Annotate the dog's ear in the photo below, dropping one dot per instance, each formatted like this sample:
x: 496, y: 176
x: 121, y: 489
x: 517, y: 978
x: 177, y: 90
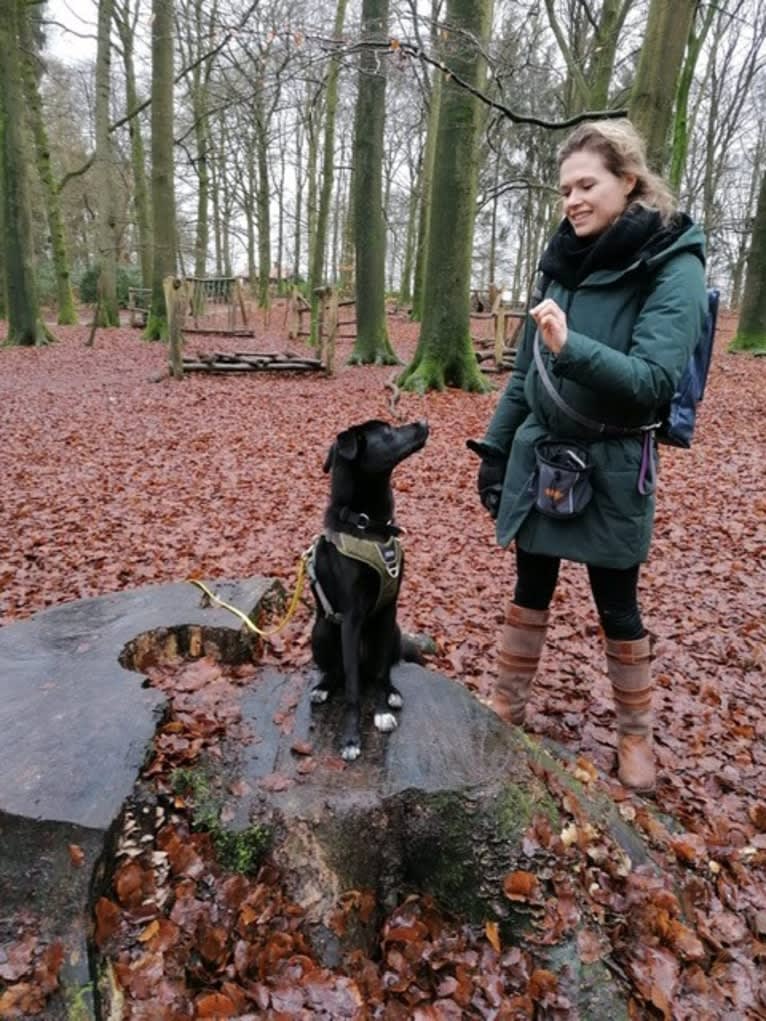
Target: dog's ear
x: 347, y: 444
x: 328, y: 460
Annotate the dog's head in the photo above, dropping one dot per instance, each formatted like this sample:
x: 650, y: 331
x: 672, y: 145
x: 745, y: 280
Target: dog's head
x: 375, y: 447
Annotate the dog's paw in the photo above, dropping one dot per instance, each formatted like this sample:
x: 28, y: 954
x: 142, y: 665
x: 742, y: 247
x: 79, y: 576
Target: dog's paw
x: 319, y: 695
x: 350, y: 751
x: 395, y: 699
x: 385, y: 722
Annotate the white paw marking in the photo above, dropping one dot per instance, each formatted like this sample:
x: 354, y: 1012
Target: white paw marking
x: 395, y: 700
x: 319, y: 695
x: 351, y: 752
x: 385, y: 722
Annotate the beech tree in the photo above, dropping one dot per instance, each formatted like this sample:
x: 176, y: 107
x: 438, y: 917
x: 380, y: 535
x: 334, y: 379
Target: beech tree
x: 751, y: 331
x: 126, y: 20
x: 444, y: 355
x: 29, y: 67
x: 659, y: 68
x: 589, y: 47
x: 163, y: 191
x: 25, y: 327
x: 316, y: 272
x: 372, y: 344
x: 107, y: 312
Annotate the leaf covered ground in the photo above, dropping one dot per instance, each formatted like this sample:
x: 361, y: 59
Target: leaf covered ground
x: 112, y: 481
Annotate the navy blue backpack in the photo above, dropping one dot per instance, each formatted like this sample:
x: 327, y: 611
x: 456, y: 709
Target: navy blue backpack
x: 678, y: 422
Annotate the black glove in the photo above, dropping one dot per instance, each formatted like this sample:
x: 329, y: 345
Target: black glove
x: 489, y: 482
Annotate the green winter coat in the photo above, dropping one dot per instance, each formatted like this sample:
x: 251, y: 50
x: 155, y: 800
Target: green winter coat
x: 630, y: 336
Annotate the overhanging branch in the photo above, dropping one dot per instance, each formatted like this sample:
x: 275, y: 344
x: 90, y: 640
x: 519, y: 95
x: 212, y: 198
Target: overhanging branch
x: 397, y: 46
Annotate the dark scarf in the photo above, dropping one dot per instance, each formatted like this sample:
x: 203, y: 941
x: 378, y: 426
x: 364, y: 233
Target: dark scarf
x: 638, y: 233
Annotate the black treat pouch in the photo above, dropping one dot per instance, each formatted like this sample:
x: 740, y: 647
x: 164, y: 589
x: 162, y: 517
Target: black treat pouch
x: 562, y: 478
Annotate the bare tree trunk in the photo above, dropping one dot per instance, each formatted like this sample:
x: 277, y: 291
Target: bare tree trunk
x: 311, y: 185
x: 491, y: 269
x: 738, y: 274
x: 405, y: 284
x: 264, y: 197
x: 604, y: 50
x: 426, y: 177
x: 372, y: 344
x: 751, y: 331
x: 316, y: 272
x: 248, y: 188
x: 281, y: 217
x: 298, y: 203
x: 445, y: 355
x: 107, y: 311
x: 25, y: 327
x: 346, y: 284
x: 216, y: 203
x: 65, y: 299
x: 163, y: 192
x: 681, y: 116
x: 659, y: 68
x: 126, y: 26
x: 340, y: 190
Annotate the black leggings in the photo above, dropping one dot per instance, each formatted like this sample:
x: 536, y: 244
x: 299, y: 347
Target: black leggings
x: 615, y: 592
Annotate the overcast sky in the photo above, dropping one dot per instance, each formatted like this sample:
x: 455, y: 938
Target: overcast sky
x: 79, y: 16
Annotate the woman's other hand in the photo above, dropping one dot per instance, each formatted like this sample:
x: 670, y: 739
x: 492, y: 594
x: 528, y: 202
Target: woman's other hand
x: 552, y: 324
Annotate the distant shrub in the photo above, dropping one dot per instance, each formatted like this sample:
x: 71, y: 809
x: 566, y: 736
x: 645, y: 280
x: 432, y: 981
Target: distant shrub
x: 127, y: 276
x: 45, y: 278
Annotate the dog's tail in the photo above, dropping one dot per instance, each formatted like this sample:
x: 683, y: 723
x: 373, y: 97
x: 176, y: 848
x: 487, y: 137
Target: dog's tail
x: 415, y: 648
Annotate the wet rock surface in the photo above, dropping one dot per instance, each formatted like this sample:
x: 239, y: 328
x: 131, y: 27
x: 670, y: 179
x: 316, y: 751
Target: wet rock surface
x: 76, y: 724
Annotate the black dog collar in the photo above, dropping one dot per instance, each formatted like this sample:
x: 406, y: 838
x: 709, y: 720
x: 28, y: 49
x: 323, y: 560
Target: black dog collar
x: 363, y: 523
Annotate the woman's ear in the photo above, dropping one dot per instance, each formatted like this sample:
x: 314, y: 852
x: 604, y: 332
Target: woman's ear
x: 629, y: 184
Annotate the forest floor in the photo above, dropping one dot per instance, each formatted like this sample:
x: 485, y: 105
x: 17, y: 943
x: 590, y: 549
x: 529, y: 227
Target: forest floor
x: 112, y: 481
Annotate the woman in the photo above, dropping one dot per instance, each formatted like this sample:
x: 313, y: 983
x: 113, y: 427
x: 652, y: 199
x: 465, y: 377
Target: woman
x: 603, y: 350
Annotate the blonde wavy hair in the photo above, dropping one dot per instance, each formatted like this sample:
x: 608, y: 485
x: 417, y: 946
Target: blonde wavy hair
x: 623, y: 151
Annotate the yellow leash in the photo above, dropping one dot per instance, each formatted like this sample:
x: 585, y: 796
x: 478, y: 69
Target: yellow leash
x: 243, y: 616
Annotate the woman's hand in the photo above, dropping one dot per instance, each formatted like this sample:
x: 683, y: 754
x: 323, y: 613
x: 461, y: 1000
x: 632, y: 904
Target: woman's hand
x: 552, y: 324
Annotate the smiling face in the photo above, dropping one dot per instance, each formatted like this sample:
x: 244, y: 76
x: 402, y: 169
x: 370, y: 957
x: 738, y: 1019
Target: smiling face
x: 592, y: 196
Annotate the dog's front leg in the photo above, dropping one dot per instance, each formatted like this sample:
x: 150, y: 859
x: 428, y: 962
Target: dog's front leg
x: 351, y: 633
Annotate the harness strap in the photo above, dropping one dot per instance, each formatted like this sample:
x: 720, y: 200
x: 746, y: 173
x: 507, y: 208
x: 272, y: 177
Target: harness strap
x: 386, y: 558
x: 320, y: 593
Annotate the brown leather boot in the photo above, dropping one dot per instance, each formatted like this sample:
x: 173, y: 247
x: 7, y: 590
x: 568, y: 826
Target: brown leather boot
x: 521, y: 644
x: 628, y: 665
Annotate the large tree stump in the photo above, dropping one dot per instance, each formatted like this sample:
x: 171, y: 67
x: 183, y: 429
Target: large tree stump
x: 438, y: 806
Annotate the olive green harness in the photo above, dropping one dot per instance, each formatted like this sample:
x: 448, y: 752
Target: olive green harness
x: 385, y: 558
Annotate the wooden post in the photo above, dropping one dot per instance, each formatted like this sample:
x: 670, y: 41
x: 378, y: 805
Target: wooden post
x: 175, y: 299
x: 331, y: 320
x: 328, y: 326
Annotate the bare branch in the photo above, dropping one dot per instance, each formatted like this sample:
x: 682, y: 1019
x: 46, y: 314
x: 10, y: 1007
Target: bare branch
x: 74, y: 173
x: 517, y: 118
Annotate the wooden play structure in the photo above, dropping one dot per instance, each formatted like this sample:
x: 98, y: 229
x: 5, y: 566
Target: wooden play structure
x: 216, y: 305
x: 330, y: 325
x: 500, y: 349
x: 212, y: 306
x: 496, y: 353
x: 139, y: 300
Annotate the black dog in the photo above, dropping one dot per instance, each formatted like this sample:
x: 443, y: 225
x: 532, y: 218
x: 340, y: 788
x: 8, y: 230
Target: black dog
x: 356, y: 572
